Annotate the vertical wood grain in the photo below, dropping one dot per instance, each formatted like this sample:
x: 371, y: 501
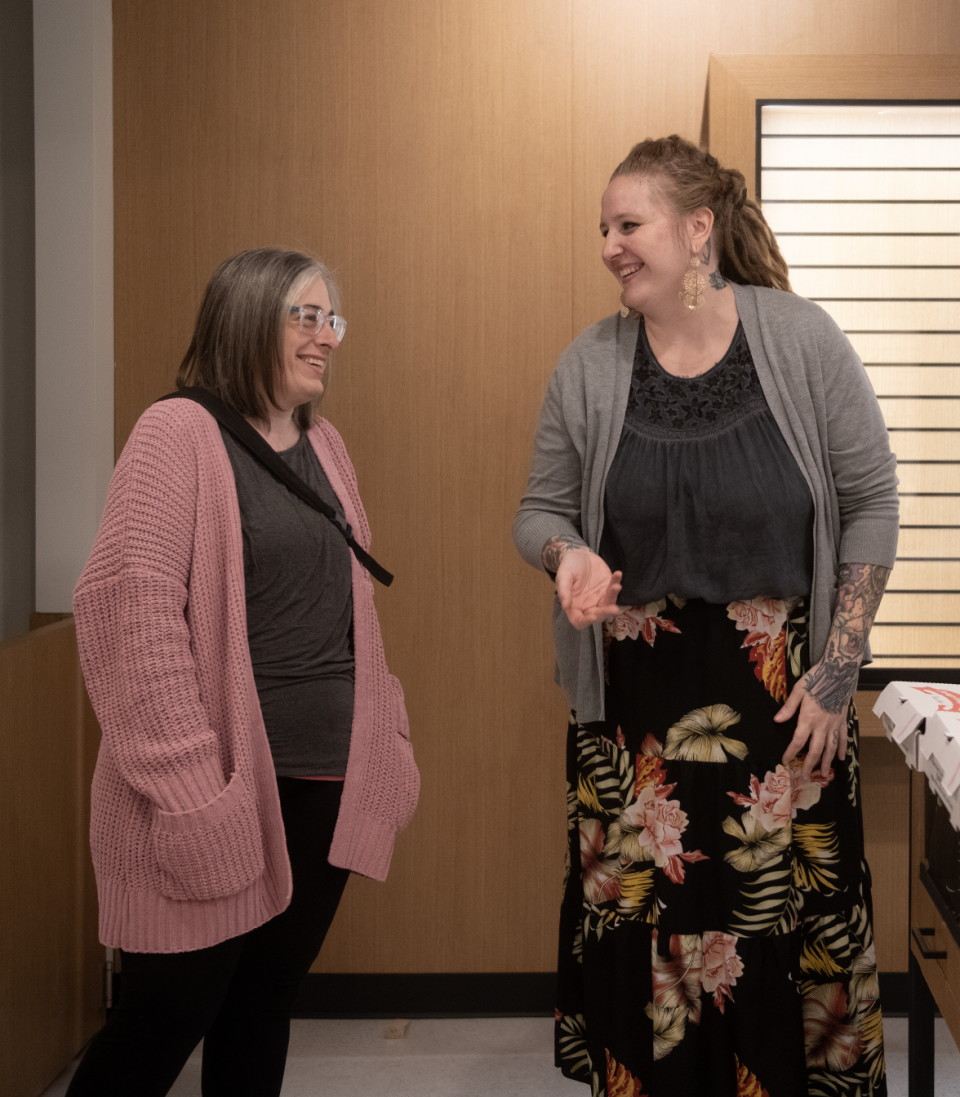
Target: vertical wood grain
x: 51, y: 981
x: 447, y: 160
x: 885, y: 785
x: 737, y: 82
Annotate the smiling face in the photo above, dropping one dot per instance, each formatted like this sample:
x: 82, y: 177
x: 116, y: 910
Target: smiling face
x: 305, y: 357
x: 646, y: 246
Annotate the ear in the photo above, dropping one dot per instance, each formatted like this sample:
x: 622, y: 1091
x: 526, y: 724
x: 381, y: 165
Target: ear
x: 699, y: 227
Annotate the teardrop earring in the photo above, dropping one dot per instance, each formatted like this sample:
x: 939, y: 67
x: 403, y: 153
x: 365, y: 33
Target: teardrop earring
x: 691, y: 295
x: 626, y: 312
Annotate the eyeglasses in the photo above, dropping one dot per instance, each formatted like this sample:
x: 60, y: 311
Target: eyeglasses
x: 312, y: 320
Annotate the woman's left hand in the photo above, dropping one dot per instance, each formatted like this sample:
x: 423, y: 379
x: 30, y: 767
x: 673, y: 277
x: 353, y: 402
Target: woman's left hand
x: 825, y: 731
x: 824, y: 693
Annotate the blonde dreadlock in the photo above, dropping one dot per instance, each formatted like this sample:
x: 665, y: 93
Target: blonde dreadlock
x: 689, y: 179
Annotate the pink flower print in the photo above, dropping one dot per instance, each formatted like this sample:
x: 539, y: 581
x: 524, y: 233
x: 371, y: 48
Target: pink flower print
x: 782, y: 794
x: 761, y: 618
x: 641, y: 620
x: 806, y: 790
x: 601, y: 878
x: 661, y: 821
x: 721, y: 966
x: 775, y: 808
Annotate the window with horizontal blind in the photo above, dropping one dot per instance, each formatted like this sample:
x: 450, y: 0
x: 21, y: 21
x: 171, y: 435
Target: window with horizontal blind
x: 865, y: 201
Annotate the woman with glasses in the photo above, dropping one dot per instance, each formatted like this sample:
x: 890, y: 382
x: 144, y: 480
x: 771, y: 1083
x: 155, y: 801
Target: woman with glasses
x: 255, y: 748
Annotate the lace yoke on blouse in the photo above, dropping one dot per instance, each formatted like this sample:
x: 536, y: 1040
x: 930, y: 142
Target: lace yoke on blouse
x: 704, y: 498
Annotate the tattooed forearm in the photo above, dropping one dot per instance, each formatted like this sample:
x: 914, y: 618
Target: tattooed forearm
x: 717, y: 280
x: 555, y: 548
x: 834, y: 680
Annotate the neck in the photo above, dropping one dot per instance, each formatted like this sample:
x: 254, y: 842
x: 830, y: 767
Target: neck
x: 672, y: 323
x: 279, y: 428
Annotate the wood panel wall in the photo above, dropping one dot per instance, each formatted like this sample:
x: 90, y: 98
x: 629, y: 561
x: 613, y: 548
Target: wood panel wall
x: 447, y: 158
x: 51, y: 967
x: 885, y: 788
x: 737, y: 82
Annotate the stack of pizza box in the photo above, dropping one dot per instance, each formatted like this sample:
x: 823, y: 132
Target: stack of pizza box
x: 923, y: 719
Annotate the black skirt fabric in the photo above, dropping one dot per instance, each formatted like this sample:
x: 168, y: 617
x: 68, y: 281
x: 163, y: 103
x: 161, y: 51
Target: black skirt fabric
x: 715, y: 934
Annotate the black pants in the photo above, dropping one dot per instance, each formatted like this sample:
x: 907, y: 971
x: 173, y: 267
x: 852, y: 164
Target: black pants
x: 236, y: 996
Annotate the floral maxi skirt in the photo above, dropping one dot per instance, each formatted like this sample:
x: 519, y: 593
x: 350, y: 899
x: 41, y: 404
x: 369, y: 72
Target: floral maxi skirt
x: 715, y: 933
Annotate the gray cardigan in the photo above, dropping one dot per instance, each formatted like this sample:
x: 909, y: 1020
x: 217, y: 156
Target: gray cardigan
x: 822, y: 400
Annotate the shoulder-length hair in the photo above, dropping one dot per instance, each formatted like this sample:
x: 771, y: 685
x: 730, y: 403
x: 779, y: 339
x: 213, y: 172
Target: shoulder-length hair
x: 237, y: 347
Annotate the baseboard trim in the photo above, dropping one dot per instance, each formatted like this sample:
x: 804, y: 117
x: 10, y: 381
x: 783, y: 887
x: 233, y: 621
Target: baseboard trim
x: 487, y: 994
x: 500, y: 994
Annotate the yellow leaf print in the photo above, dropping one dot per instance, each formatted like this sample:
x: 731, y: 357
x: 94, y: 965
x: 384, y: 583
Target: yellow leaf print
x: 636, y: 893
x: 649, y: 772
x: 816, y: 845
x: 760, y: 846
x: 587, y: 795
x: 669, y: 1025
x: 747, y: 1083
x: 871, y: 1038
x: 864, y: 984
x: 698, y: 736
x: 816, y: 960
x: 620, y: 1082
x: 771, y: 665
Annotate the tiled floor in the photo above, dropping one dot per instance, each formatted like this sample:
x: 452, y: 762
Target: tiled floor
x: 503, y: 1057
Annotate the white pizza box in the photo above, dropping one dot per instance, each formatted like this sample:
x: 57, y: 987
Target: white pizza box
x: 903, y: 707
x: 939, y: 756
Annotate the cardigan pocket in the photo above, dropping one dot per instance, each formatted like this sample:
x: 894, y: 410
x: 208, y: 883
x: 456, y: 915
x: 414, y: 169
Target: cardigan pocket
x: 407, y: 774
x: 401, y: 722
x: 214, y: 850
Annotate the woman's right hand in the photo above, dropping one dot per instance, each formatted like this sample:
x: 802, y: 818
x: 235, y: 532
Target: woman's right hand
x: 586, y: 587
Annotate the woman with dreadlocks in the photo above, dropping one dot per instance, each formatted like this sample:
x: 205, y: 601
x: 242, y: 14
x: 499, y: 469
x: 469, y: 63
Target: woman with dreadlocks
x: 713, y: 491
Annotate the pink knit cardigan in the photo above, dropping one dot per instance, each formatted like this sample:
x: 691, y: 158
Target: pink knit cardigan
x: 186, y: 833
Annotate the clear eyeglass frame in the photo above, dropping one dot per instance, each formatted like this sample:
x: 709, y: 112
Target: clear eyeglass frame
x: 312, y: 320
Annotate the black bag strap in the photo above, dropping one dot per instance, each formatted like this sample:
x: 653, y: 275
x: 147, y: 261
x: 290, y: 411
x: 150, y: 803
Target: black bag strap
x: 253, y: 441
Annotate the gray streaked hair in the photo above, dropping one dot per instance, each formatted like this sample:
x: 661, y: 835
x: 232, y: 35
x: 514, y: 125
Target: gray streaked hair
x: 237, y: 347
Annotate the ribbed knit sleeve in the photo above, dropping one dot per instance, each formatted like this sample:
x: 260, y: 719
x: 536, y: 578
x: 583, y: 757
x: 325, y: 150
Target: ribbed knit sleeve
x: 130, y: 606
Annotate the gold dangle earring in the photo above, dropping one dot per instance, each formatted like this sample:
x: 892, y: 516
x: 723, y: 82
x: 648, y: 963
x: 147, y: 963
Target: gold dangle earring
x: 691, y: 296
x: 626, y: 312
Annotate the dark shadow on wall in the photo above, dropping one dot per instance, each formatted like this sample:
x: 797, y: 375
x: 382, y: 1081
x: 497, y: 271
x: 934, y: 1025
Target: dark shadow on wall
x: 17, y: 319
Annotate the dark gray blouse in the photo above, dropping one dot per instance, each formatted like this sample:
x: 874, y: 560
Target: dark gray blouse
x: 296, y: 568
x: 703, y: 498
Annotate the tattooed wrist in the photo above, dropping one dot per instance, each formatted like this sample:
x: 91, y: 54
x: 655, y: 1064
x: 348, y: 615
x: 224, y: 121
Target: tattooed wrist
x: 554, y: 549
x: 833, y: 681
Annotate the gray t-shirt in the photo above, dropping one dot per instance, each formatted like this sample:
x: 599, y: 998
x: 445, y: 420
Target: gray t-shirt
x: 296, y: 567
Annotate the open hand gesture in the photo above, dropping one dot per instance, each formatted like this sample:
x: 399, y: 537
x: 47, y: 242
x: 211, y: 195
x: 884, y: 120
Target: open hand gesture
x: 586, y: 587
